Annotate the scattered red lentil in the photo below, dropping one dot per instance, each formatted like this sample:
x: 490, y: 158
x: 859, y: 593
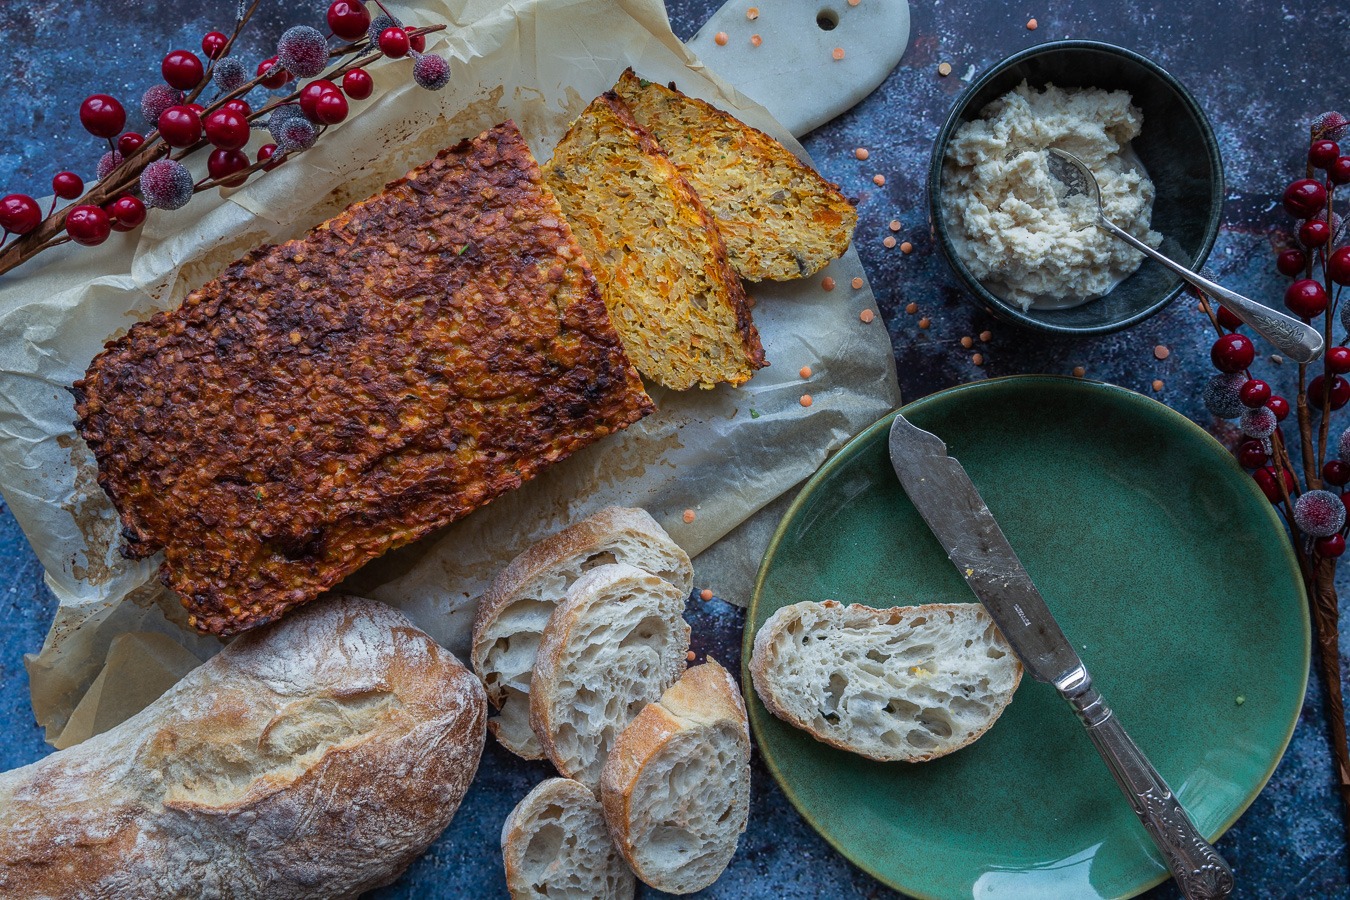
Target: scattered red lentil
x: 861, y: 153
x: 925, y: 322
x: 986, y: 336
x: 752, y: 13
x: 720, y: 39
x: 1157, y: 384
x: 838, y: 53
x: 1079, y: 371
x: 911, y: 308
x: 827, y: 283
x: 967, y: 342
x: 1161, y: 351
x: 978, y: 359
x: 878, y: 180
x: 854, y: 2
x: 867, y: 316
x: 689, y: 516
x: 1032, y: 24
x: 805, y: 372
x: 705, y: 594
x: 806, y: 400
x: 689, y: 655
x: 945, y: 69
x: 888, y: 242
x: 857, y: 284
x: 756, y: 40
x: 750, y: 301
x: 906, y: 247
x: 895, y: 225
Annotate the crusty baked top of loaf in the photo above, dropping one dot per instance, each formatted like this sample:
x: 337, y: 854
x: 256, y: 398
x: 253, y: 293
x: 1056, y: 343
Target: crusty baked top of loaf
x: 331, y: 398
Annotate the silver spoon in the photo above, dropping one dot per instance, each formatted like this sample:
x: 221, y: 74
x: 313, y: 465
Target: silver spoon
x: 1297, y: 340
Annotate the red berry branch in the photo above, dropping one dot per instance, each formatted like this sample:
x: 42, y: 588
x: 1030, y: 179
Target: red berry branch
x: 146, y: 171
x: 1317, y: 258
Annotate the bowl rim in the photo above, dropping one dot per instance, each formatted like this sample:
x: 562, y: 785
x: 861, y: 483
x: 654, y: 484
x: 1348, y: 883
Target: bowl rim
x: 982, y: 296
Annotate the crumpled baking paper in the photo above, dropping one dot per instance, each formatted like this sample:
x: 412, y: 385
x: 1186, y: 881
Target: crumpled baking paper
x: 724, y: 453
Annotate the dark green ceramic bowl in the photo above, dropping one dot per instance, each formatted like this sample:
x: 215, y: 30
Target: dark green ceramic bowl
x: 1166, y: 568
x: 1176, y: 146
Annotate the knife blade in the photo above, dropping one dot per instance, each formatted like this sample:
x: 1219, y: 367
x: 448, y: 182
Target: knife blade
x: 949, y: 503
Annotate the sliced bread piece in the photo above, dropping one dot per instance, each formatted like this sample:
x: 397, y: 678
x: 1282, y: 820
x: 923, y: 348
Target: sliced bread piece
x: 677, y: 304
x: 512, y: 614
x: 779, y: 218
x: 609, y: 649
x: 910, y: 683
x: 676, y: 786
x: 556, y: 847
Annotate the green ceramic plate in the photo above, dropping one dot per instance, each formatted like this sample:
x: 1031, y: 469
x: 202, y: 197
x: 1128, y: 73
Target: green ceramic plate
x: 1164, y: 565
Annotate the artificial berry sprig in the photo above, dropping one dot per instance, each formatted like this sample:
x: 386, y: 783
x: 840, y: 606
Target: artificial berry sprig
x: 1317, y: 260
x: 140, y: 171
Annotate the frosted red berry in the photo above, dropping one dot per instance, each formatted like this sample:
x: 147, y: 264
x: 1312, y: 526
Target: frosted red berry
x: 1304, y: 198
x: 102, y: 116
x: 1319, y: 513
x: 1335, y: 472
x: 1330, y: 125
x: 1279, y: 406
x: 310, y: 94
x: 1321, y: 154
x: 1314, y: 233
x: 229, y: 74
x: 1291, y: 263
x: 1266, y: 480
x: 278, y: 77
x: 213, y: 44
x: 1330, y: 546
x: 127, y: 213
x: 1252, y: 455
x: 221, y: 164
x: 348, y: 19
x: 358, y: 84
x: 19, y: 213
x: 1232, y: 353
x: 1227, y: 319
x: 180, y: 126
x: 303, y: 51
x: 1338, y: 265
x: 1339, y: 171
x: 330, y: 108
x: 1254, y: 393
x: 67, y: 185
x: 226, y: 129
x: 166, y: 184
x: 106, y: 163
x: 394, y: 42
x: 1339, y: 392
x: 88, y: 225
x: 1306, y: 298
x: 266, y: 152
x: 129, y: 143
x: 181, y: 69
x: 155, y: 100
x: 431, y: 72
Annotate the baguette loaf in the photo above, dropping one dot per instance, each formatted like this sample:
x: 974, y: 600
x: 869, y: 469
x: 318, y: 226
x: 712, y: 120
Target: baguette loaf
x: 780, y: 219
x: 314, y: 758
x: 512, y: 614
x: 676, y: 786
x: 678, y: 306
x: 556, y: 847
x: 611, y: 647
x: 910, y: 683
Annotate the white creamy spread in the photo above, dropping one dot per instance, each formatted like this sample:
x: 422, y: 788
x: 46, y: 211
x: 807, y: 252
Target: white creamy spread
x: 1009, y: 220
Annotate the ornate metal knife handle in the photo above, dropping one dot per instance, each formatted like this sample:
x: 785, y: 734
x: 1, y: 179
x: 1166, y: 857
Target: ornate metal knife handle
x: 1199, y: 870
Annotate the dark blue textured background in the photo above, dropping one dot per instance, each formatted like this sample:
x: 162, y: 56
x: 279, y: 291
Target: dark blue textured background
x: 1261, y: 70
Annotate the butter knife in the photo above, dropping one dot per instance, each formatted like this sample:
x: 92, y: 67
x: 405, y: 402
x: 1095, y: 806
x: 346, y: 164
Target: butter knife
x: 943, y: 494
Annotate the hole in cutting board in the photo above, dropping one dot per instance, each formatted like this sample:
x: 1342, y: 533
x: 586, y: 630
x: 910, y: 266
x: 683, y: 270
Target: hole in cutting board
x: 827, y: 19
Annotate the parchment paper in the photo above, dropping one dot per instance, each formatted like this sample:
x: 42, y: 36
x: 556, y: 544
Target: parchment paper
x: 723, y: 453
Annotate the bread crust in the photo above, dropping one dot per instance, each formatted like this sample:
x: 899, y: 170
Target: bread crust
x: 764, y: 659
x: 315, y: 758
x: 705, y: 696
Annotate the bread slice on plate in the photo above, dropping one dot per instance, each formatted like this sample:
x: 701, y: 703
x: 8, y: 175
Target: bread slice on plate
x: 677, y: 304
x: 779, y: 217
x: 556, y: 847
x: 676, y: 786
x: 609, y: 649
x: 512, y: 614
x: 909, y: 683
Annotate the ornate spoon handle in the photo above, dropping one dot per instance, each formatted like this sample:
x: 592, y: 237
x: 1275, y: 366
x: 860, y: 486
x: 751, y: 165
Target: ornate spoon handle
x: 1200, y: 871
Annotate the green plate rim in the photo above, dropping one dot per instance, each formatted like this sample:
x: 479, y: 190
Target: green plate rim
x: 1149, y: 406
